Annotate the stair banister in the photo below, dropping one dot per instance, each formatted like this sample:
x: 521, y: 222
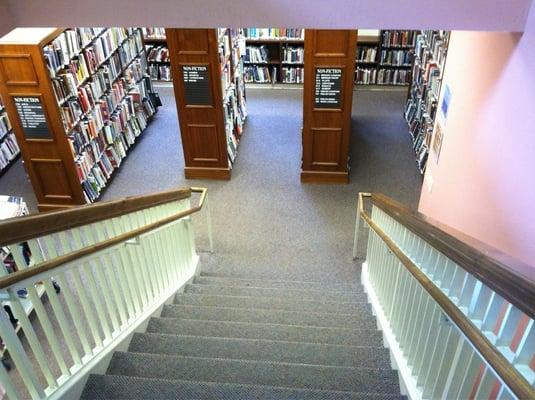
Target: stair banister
x: 421, y: 277
x: 114, y: 263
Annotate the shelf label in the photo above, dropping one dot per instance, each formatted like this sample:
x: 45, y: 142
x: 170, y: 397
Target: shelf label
x: 197, y: 89
x: 32, y: 117
x: 328, y: 92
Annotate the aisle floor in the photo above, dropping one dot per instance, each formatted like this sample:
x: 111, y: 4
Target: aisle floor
x: 266, y: 223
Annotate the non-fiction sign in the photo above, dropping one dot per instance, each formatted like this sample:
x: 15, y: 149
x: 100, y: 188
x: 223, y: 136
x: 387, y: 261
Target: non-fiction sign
x: 328, y: 93
x: 197, y: 88
x: 32, y: 117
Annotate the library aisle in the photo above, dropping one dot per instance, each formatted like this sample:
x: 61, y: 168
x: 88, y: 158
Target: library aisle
x: 264, y: 209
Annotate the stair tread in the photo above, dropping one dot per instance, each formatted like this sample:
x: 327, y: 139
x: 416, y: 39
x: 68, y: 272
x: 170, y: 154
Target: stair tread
x: 305, y: 294
x: 255, y: 372
x: 273, y: 303
x: 293, y: 333
x: 310, y: 318
x: 227, y: 280
x: 260, y: 349
x: 100, y: 387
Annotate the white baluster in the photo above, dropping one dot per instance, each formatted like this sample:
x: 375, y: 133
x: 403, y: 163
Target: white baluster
x: 487, y: 383
x: 508, y: 327
x: 446, y: 351
x: 470, y: 375
x: 526, y: 350
x: 430, y: 334
x: 22, y: 362
x: 7, y: 384
x: 462, y: 357
x: 443, y: 330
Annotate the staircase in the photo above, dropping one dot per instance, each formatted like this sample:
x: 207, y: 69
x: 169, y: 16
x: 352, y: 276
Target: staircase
x: 233, y: 338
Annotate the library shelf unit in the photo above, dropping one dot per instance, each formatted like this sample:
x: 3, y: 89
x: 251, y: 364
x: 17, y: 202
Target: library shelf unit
x: 159, y: 66
x: 78, y: 99
x: 9, y: 149
x: 274, y: 55
x: 385, y: 58
x: 428, y: 67
x: 208, y: 80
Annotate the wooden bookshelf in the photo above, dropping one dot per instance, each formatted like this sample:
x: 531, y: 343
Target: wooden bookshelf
x: 210, y: 97
x: 327, y: 102
x: 279, y: 68
x: 376, y: 71
x: 154, y: 37
x: 71, y: 147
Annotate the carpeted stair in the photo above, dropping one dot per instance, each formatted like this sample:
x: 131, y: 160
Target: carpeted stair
x: 231, y: 338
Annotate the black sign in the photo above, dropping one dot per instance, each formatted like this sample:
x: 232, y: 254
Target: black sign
x: 197, y: 89
x: 328, y: 92
x: 32, y: 117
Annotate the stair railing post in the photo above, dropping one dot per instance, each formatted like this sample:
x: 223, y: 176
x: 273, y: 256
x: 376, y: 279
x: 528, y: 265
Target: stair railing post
x: 209, y: 224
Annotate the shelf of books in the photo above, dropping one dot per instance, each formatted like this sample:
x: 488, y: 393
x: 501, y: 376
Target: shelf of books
x: 89, y: 105
x: 428, y: 67
x: 157, y: 54
x: 385, y: 59
x: 231, y: 54
x: 9, y: 149
x: 274, y: 55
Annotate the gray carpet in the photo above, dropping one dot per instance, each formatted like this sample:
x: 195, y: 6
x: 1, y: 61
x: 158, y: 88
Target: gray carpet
x: 266, y: 223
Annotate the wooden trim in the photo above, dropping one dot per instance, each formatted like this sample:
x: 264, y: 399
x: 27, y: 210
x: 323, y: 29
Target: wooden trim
x: 13, y: 278
x: 495, y: 269
x: 15, y: 230
x: 510, y: 376
x: 324, y: 177
x: 207, y: 173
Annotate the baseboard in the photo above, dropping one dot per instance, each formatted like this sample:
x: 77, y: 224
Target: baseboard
x: 98, y: 365
x: 324, y: 177
x: 407, y: 382
x: 207, y: 173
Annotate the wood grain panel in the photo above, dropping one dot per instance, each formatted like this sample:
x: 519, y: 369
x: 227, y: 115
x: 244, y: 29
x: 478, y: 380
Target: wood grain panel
x: 326, y: 131
x: 52, y: 177
x: 18, y: 69
x: 202, y: 127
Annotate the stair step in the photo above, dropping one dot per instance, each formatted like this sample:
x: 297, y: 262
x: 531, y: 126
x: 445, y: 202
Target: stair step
x: 289, y: 333
x: 363, y: 380
x: 272, y: 303
x: 105, y: 387
x: 266, y: 283
x: 282, y: 293
x: 260, y: 350
x: 354, y: 321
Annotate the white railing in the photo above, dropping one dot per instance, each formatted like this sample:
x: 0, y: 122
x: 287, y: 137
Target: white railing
x: 452, y: 337
x: 103, y: 295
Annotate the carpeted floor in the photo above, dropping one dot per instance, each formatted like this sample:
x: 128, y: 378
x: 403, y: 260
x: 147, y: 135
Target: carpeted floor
x: 266, y: 223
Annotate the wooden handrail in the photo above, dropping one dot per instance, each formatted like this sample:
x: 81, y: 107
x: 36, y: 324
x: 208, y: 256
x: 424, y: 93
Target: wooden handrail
x: 510, y: 376
x: 495, y: 269
x: 19, y: 229
x: 45, y: 266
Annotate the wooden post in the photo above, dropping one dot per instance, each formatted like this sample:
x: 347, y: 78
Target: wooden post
x: 327, y: 101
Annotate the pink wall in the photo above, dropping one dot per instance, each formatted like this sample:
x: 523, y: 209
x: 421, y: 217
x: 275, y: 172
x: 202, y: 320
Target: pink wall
x: 484, y: 183
x: 6, y: 19
x: 499, y: 15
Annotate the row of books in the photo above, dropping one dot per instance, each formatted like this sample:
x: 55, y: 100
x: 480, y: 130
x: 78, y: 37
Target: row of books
x: 422, y: 105
x: 393, y: 77
x: 154, y: 33
x: 274, y: 33
x: 257, y: 54
x: 160, y: 72
x: 366, y: 76
x: 366, y: 54
x: 396, y: 57
x: 293, y: 54
x: 157, y: 54
x: 259, y: 74
x: 9, y: 150
x: 396, y: 38
x: 292, y: 75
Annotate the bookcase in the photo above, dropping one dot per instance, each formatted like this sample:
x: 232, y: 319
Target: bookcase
x: 385, y: 59
x: 157, y: 53
x: 9, y: 149
x: 274, y: 55
x: 327, y: 102
x: 78, y: 99
x: 208, y: 80
x: 427, y: 71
